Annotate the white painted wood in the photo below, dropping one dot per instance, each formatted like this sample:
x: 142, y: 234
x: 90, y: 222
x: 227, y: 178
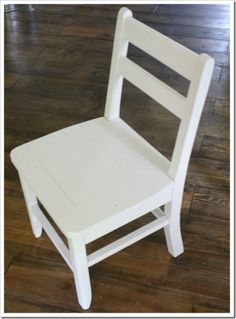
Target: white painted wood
x: 152, y: 86
x: 81, y: 271
x: 109, y: 153
x: 53, y: 235
x: 99, y: 175
x: 46, y: 189
x: 182, y: 151
x: 127, y: 240
x: 172, y: 230
x: 188, y: 127
x: 169, y: 52
x: 158, y: 212
x: 31, y: 202
x: 124, y: 217
x: 120, y: 47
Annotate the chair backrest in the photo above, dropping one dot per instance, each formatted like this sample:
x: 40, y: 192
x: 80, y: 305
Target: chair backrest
x: 196, y: 68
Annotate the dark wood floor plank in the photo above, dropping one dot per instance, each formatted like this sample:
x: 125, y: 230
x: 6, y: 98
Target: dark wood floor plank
x: 103, y: 32
x: 210, y: 206
x: 225, y: 74
x: 221, y: 108
x: 209, y: 173
x: 60, y: 281
x: 67, y: 70
x: 57, y: 87
x: 32, y: 27
x: 203, y: 45
x: 191, y: 31
x: 69, y: 41
x: 46, y: 252
x: 42, y: 40
x: 8, y: 258
x: 199, y: 44
x: 80, y: 50
x: 196, y: 282
x: 35, y: 17
x: 20, y: 304
x: 215, y: 148
x: 206, y: 304
x: 216, y: 120
x: 211, y: 202
x: 193, y: 10
x: 187, y: 20
x: 10, y: 79
x: 221, y: 58
x: 219, y: 89
x: 110, y: 9
x: 187, y: 272
x: 78, y: 108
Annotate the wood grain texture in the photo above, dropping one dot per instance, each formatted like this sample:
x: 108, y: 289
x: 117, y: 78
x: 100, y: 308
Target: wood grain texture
x: 57, y: 61
x: 10, y: 79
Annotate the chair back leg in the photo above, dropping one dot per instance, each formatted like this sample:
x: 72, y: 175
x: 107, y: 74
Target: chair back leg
x: 173, y: 230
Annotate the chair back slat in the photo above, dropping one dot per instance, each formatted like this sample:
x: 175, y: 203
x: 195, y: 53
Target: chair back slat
x: 169, y: 52
x: 154, y: 87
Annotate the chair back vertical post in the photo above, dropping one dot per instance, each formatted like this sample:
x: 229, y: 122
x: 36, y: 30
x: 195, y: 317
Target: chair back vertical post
x: 120, y: 48
x: 189, y: 124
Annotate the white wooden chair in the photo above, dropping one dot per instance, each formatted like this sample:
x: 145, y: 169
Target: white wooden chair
x: 99, y: 175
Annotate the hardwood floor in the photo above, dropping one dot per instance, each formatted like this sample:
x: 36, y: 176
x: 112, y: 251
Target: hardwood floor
x: 57, y: 60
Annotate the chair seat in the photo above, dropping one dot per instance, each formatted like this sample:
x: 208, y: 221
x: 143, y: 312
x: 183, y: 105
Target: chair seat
x: 95, y: 176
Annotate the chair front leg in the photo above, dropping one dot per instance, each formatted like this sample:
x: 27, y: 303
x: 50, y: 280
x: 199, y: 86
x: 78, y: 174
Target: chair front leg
x: 172, y: 230
x: 81, y: 271
x: 31, y: 201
